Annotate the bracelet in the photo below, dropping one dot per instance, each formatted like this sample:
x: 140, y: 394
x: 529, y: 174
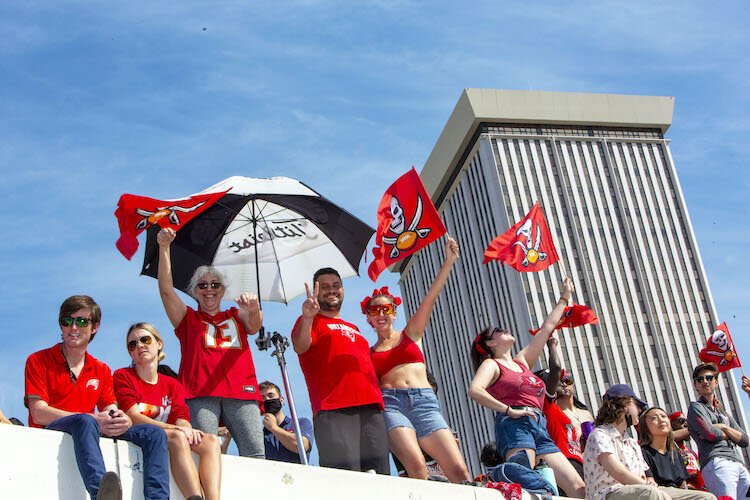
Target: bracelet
x: 507, y: 409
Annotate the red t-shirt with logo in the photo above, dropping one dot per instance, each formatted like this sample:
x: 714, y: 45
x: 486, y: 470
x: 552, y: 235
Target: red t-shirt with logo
x: 163, y: 401
x: 49, y: 379
x: 562, y: 431
x: 337, y: 366
x: 216, y: 358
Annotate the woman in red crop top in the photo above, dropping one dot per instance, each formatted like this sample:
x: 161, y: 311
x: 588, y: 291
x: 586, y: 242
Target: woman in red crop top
x: 412, y: 412
x: 148, y: 397
x: 505, y: 384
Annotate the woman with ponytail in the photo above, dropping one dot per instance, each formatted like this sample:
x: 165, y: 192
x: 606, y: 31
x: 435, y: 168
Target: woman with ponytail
x: 505, y: 384
x: 148, y: 397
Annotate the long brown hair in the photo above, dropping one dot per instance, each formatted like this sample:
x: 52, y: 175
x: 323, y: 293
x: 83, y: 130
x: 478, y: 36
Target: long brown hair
x: 479, y: 348
x: 645, y: 438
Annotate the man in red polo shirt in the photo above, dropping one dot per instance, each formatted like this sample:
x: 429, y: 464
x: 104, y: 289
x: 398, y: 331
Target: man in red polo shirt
x: 63, y: 386
x: 344, y: 391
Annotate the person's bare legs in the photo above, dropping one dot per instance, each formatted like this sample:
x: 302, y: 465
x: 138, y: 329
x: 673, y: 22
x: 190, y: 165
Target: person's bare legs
x: 565, y: 475
x: 442, y: 446
x: 403, y: 443
x: 209, y: 468
x: 181, y: 461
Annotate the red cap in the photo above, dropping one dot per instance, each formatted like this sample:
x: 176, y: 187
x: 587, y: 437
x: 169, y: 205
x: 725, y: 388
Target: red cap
x: 676, y: 415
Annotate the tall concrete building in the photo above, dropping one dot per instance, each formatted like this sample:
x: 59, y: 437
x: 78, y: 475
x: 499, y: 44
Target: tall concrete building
x: 602, y: 171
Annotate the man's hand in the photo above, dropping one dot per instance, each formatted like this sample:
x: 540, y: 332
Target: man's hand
x: 552, y: 342
x: 310, y: 306
x: 114, y: 423
x: 269, y: 422
x: 746, y: 384
x: 166, y: 236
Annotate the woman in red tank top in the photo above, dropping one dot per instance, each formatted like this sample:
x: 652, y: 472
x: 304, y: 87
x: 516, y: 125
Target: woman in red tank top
x: 505, y: 384
x: 412, y: 412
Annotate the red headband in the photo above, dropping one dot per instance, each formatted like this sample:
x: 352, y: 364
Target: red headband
x: 383, y: 292
x: 479, y: 348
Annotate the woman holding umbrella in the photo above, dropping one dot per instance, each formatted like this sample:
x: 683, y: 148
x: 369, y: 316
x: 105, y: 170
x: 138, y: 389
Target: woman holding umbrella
x: 412, y: 412
x: 217, y: 367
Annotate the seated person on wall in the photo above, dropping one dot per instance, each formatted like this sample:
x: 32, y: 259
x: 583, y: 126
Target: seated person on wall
x: 663, y: 456
x: 689, y: 457
x: 278, y: 433
x: 65, y: 383
x: 718, y: 437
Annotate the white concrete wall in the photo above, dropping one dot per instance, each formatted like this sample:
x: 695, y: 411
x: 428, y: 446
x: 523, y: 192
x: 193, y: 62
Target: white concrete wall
x: 40, y: 464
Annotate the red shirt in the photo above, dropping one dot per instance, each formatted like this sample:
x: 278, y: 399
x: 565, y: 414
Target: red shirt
x: 562, y: 431
x: 216, y: 358
x: 518, y: 389
x: 163, y: 401
x: 49, y: 379
x: 406, y: 351
x: 337, y: 366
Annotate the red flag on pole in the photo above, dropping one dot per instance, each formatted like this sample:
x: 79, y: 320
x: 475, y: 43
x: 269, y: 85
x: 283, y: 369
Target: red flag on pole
x: 527, y: 246
x: 575, y: 315
x: 137, y: 213
x: 720, y: 350
x: 407, y: 222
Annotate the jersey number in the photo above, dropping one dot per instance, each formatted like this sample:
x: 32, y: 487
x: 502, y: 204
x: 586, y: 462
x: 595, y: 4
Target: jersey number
x: 223, y: 336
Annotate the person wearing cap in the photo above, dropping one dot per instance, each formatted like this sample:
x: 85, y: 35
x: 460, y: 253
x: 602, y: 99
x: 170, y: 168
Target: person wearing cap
x: 718, y: 437
x: 613, y: 465
x: 689, y: 457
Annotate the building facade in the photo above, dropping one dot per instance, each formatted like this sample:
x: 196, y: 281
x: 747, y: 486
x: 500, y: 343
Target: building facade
x: 601, y: 169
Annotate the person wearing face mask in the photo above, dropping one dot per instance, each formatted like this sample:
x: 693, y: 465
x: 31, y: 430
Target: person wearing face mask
x: 613, y: 466
x: 278, y: 433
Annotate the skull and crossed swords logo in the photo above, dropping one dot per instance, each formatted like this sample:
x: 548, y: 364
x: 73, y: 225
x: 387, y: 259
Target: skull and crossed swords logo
x: 721, y: 347
x: 530, y: 248
x: 406, y: 237
x: 170, y: 212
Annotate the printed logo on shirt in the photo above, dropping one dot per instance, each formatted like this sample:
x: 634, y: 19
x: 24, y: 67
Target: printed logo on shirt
x: 248, y: 388
x: 345, y: 330
x: 533, y: 382
x: 159, y: 413
x: 93, y: 382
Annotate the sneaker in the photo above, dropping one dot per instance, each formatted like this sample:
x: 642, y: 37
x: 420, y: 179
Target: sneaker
x: 195, y: 497
x: 109, y: 487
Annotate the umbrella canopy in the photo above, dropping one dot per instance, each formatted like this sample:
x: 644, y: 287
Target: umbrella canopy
x: 278, y: 226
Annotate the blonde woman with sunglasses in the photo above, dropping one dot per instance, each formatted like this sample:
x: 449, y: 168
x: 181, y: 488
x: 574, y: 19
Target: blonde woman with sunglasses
x: 412, y: 412
x: 149, y: 397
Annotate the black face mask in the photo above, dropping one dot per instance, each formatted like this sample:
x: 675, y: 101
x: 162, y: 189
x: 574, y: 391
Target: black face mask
x: 272, y: 406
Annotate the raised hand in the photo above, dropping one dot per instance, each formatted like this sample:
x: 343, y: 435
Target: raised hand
x: 310, y: 306
x: 248, y: 302
x: 166, y: 236
x: 451, y: 250
x: 567, y: 289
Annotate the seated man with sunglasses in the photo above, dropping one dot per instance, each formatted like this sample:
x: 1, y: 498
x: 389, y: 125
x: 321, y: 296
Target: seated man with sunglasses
x: 63, y: 386
x: 718, y: 437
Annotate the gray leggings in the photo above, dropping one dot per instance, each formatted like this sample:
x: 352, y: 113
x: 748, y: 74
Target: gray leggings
x: 241, y: 417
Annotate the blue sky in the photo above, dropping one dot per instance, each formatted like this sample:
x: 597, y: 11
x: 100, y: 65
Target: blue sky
x: 163, y: 99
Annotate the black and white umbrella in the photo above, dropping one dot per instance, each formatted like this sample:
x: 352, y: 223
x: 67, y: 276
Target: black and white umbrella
x: 266, y: 235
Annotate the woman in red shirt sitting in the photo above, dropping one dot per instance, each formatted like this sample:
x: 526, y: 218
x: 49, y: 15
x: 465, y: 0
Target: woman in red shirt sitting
x: 412, y: 412
x: 505, y: 384
x: 149, y: 397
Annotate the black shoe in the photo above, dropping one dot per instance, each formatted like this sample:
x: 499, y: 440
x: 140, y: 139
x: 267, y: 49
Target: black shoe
x: 195, y: 497
x: 109, y: 487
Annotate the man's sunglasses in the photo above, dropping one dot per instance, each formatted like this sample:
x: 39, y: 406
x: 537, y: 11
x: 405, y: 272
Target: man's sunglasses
x: 215, y: 285
x: 376, y: 309
x: 704, y: 377
x: 79, y: 321
x: 566, y: 381
x: 145, y: 340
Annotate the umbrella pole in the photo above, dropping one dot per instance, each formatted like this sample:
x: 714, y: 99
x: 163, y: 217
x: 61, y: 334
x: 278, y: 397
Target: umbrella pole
x: 281, y: 343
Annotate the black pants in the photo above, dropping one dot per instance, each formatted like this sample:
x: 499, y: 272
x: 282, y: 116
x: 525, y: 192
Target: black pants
x: 352, y: 438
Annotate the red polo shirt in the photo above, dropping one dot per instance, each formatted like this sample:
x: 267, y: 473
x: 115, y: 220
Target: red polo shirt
x: 48, y: 379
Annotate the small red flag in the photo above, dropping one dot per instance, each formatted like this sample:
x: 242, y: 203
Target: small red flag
x: 527, y: 246
x: 720, y: 350
x: 407, y: 222
x: 137, y: 213
x: 575, y: 315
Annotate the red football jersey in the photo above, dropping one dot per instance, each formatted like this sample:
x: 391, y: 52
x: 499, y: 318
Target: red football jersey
x: 216, y: 358
x: 562, y: 431
x: 48, y: 378
x: 337, y: 366
x: 163, y: 401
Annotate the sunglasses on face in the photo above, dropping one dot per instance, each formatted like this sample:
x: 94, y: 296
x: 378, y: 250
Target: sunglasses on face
x: 566, y: 381
x: 376, y: 309
x: 708, y: 378
x: 145, y: 340
x: 79, y: 321
x: 214, y: 285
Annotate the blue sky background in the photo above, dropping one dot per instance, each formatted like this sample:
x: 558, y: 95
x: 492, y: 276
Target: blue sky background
x: 163, y: 99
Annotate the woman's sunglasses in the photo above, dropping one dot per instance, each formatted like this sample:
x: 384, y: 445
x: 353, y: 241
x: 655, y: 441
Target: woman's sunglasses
x: 376, y: 309
x: 567, y: 381
x: 80, y: 321
x: 145, y: 340
x: 215, y: 285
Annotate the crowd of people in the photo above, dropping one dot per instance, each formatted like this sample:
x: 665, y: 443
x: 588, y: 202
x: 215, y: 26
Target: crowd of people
x: 367, y: 401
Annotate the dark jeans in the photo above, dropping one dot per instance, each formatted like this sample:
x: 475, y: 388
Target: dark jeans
x: 153, y: 441
x: 352, y: 438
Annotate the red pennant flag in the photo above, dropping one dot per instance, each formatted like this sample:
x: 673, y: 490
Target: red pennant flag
x: 137, y: 213
x: 527, y: 246
x: 720, y: 350
x: 575, y: 315
x: 407, y: 222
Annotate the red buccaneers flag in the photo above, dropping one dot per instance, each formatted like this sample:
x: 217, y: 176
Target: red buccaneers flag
x: 527, y: 246
x: 136, y: 213
x: 720, y: 350
x: 575, y: 315
x: 407, y: 222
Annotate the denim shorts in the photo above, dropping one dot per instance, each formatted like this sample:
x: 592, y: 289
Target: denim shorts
x: 416, y: 409
x: 525, y: 432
